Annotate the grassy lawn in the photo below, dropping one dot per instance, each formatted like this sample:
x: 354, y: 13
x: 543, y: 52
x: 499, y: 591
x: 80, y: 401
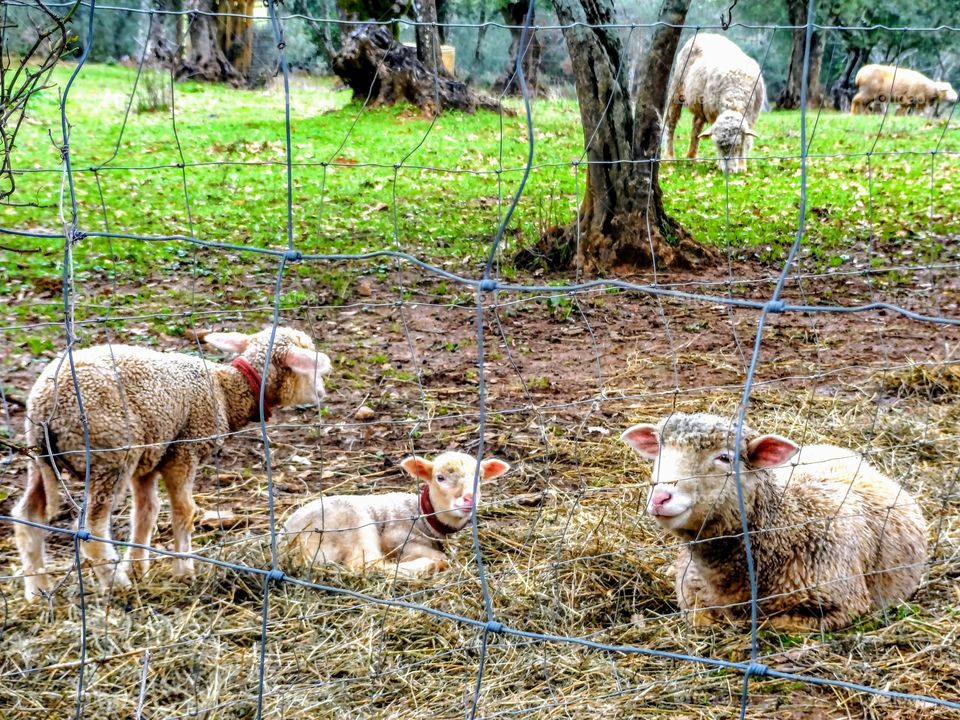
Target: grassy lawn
x: 387, y: 178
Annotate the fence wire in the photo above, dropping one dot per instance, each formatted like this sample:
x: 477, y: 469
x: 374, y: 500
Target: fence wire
x: 491, y: 296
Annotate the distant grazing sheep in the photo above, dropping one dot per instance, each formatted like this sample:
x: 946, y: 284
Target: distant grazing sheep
x: 908, y: 88
x: 151, y: 415
x: 832, y: 537
x: 719, y: 84
x: 400, y: 532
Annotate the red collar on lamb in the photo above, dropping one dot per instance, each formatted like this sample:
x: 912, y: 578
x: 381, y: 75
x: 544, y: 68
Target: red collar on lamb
x: 253, y: 379
x: 429, y: 514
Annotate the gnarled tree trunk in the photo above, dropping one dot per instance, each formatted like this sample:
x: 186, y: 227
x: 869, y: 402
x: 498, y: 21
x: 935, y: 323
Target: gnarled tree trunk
x: 789, y: 97
x: 843, y: 90
x: 373, y: 64
x: 622, y: 222
x: 514, y: 14
x: 208, y: 58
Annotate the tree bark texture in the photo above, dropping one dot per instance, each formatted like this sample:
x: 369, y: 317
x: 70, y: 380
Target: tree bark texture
x: 622, y: 224
x: 373, y: 64
x: 789, y: 97
x: 428, y: 38
x: 514, y: 14
x: 843, y: 90
x: 162, y: 34
x: 208, y: 58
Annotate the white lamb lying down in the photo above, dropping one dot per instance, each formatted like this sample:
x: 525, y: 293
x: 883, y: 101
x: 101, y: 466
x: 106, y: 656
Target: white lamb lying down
x: 831, y: 536
x: 402, y: 532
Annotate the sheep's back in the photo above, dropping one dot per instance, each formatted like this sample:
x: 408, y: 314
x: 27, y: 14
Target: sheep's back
x: 717, y: 75
x: 131, y: 396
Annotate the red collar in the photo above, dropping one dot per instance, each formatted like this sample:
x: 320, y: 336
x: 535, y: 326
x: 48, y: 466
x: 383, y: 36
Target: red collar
x: 253, y: 379
x: 429, y: 514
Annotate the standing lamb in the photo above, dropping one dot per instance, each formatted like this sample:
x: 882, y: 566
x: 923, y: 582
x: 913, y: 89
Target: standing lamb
x: 719, y: 84
x: 908, y: 88
x: 832, y: 537
x: 400, y: 532
x: 151, y: 415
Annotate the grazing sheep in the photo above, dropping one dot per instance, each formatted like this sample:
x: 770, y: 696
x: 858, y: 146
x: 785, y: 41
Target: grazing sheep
x: 908, y: 88
x: 151, y: 415
x: 400, y: 532
x: 719, y: 84
x: 832, y: 537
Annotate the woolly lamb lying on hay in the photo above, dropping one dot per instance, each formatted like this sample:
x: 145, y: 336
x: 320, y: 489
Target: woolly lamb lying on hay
x: 908, y: 88
x: 832, y: 537
x: 151, y: 415
x: 400, y: 532
x: 719, y: 84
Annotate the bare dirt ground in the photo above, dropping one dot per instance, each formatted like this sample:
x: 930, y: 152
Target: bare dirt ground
x: 568, y: 549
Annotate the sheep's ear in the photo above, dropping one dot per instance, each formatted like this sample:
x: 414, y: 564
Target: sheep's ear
x: 644, y: 439
x: 233, y: 342
x: 748, y: 131
x: 493, y: 468
x: 418, y: 467
x: 770, y: 451
x: 707, y: 133
x: 307, y: 362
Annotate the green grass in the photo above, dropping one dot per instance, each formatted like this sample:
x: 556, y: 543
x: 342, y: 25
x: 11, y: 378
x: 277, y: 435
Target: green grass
x: 392, y: 181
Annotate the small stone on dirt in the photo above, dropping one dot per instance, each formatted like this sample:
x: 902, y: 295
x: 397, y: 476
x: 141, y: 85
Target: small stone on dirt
x: 364, y: 413
x: 365, y: 287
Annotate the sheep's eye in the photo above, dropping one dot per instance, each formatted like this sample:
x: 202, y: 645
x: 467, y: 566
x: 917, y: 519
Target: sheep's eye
x: 724, y: 458
x: 441, y: 479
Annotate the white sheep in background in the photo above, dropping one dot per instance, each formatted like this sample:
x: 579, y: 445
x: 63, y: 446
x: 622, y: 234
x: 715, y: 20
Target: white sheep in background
x: 151, y: 415
x: 832, y: 538
x: 908, y: 88
x: 400, y: 532
x: 719, y: 84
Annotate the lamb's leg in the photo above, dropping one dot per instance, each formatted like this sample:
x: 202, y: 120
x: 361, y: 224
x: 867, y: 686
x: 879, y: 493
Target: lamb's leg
x: 105, y: 488
x: 146, y: 506
x: 414, y: 568
x: 698, y: 124
x: 36, y: 507
x: 178, y: 473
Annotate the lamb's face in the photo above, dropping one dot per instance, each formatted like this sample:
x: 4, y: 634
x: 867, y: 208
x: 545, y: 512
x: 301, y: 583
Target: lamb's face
x: 450, y: 478
x: 731, y: 133
x: 693, y: 471
x: 294, y: 350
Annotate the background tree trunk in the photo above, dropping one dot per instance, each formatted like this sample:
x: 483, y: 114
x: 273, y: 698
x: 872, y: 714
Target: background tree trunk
x: 843, y: 90
x: 514, y: 14
x: 622, y: 221
x: 789, y: 97
x: 371, y: 62
x: 428, y: 37
x: 207, y: 59
x: 162, y: 34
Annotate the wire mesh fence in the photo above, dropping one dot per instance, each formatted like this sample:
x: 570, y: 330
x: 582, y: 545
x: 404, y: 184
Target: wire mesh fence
x: 388, y: 237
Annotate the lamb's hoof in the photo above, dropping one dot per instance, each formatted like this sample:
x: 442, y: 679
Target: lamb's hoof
x: 439, y: 566
x: 37, y: 585
x: 184, y: 571
x: 111, y: 576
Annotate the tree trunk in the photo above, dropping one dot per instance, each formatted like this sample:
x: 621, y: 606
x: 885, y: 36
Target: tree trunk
x: 843, y: 90
x: 789, y: 97
x: 622, y: 224
x: 235, y: 33
x: 514, y: 14
x: 373, y: 64
x: 161, y: 34
x: 207, y: 59
x: 428, y: 38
